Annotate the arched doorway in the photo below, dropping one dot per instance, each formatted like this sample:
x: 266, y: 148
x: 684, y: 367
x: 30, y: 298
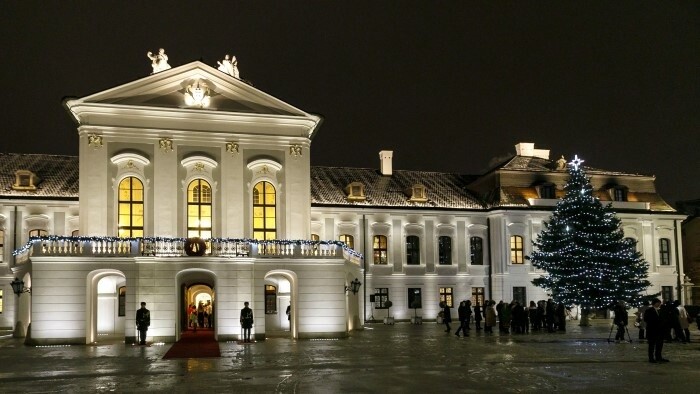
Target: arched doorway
x: 105, y: 306
x: 197, y: 295
x: 280, y: 292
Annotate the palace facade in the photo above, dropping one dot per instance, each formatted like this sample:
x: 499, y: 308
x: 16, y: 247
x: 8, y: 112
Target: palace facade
x: 193, y: 186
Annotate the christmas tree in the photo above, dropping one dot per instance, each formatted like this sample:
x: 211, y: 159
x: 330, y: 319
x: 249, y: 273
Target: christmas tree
x: 582, y: 248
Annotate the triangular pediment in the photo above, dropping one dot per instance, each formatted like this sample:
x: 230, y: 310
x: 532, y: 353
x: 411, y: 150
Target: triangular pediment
x: 166, y: 89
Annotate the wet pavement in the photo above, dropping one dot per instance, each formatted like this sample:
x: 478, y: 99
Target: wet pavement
x: 399, y: 358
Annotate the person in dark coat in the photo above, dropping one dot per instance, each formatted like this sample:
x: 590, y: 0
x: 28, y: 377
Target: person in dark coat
x: 620, y: 320
x: 477, y: 316
x: 446, y: 316
x: 246, y: 321
x: 462, y: 313
x: 655, y: 332
x: 561, y: 317
x: 549, y: 315
x: 143, y: 320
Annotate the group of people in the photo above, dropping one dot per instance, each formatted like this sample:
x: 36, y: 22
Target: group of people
x: 510, y: 317
x: 201, y: 316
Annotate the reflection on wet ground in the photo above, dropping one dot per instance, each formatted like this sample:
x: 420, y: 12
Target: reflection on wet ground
x: 399, y: 358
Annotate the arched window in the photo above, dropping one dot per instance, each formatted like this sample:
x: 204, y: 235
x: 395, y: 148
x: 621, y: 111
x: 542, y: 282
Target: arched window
x: 349, y: 240
x: 665, y: 251
x: 445, y: 250
x: 130, y: 208
x: 38, y: 233
x: 264, y: 211
x: 379, y: 248
x: 476, y: 247
x: 516, y: 249
x: 199, y: 209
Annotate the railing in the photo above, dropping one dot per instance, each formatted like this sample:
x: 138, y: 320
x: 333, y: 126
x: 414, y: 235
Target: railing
x: 178, y: 247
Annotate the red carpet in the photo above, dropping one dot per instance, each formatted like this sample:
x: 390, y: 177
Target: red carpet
x: 195, y: 345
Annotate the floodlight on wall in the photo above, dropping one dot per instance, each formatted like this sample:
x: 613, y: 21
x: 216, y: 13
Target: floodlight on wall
x: 18, y: 287
x: 354, y: 286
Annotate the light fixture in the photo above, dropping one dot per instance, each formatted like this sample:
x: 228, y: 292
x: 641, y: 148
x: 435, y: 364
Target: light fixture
x: 354, y: 286
x: 18, y: 287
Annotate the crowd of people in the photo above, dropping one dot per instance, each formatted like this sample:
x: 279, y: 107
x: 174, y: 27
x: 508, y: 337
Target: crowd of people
x: 510, y: 317
x: 201, y: 316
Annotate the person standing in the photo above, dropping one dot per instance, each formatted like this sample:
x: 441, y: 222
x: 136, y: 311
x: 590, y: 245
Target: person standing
x: 655, y: 332
x: 446, y: 316
x: 143, y: 320
x: 620, y: 320
x: 640, y: 319
x: 490, y: 319
x: 684, y: 323
x: 477, y: 316
x: 246, y: 321
x: 462, y: 313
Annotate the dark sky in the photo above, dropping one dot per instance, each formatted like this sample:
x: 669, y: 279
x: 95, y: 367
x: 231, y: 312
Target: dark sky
x: 448, y: 85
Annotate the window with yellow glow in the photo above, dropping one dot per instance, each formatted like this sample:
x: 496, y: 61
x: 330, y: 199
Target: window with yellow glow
x: 516, y: 249
x: 199, y: 212
x: 38, y: 233
x: 379, y: 249
x: 446, y: 296
x: 264, y: 211
x: 130, y: 207
x: 348, y: 240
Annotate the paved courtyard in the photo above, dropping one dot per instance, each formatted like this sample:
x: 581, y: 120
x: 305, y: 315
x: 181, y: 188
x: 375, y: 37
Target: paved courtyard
x: 400, y: 358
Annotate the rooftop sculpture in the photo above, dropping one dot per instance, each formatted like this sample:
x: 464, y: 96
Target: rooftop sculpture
x: 159, y: 61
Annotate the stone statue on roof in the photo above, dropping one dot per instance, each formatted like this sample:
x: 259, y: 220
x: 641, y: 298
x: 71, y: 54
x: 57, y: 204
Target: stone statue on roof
x: 561, y: 164
x: 230, y: 66
x: 159, y: 61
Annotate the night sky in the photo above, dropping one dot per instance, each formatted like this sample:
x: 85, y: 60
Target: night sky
x: 448, y: 86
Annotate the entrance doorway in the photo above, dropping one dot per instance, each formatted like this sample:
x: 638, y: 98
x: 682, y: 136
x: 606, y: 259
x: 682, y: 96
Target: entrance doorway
x: 199, y: 307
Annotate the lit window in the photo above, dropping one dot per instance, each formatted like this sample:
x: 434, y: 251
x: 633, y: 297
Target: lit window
x: 75, y: 233
x: 381, y: 296
x: 270, y: 299
x: 38, y: 233
x: 516, y: 249
x: 348, y: 240
x: 130, y: 208
x: 476, y: 249
x: 315, y: 237
x: 412, y: 250
x: 445, y: 250
x: 379, y: 248
x: 446, y: 296
x: 665, y: 251
x: 264, y: 211
x: 199, y: 209
x: 478, y: 296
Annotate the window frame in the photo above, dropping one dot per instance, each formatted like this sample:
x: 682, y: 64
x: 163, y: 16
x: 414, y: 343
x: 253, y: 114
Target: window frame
x: 129, y: 230
x: 379, y: 254
x: 517, y: 250
x: 38, y: 232
x: 412, y: 250
x: 473, y: 250
x: 381, y: 296
x: 268, y: 233
x: 446, y: 295
x: 667, y: 293
x: 664, y: 251
x: 444, y: 250
x: 199, y: 203
x: 520, y: 294
x: 348, y: 240
x: 413, y: 294
x: 478, y: 295
x: 270, y: 299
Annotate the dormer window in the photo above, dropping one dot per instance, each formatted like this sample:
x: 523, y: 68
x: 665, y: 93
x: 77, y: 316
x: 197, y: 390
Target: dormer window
x: 547, y: 191
x: 618, y: 193
x: 355, y: 191
x: 25, y: 180
x: 418, y: 193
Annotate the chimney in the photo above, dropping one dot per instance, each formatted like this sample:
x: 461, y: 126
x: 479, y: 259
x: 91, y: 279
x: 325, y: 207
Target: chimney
x: 528, y: 149
x: 385, y: 162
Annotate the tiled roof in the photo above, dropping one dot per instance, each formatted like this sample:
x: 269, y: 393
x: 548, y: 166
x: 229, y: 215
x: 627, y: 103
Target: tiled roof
x: 443, y: 190
x: 58, y: 175
x: 537, y: 164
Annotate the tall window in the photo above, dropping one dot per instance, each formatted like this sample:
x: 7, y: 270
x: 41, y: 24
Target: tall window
x: 264, y: 211
x: 37, y: 233
x: 667, y: 293
x: 130, y: 208
x: 446, y: 296
x: 665, y: 251
x: 2, y: 308
x: 476, y: 249
x: 270, y: 299
x: 199, y: 209
x: 349, y: 240
x: 415, y: 300
x: 412, y: 250
x: 381, y: 296
x: 519, y: 295
x: 379, y: 248
x: 547, y: 191
x: 619, y: 194
x: 478, y: 295
x: 444, y: 250
x: 516, y: 249
x: 2, y: 244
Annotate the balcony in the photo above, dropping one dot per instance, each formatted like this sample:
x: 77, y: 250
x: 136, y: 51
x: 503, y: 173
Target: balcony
x: 175, y: 247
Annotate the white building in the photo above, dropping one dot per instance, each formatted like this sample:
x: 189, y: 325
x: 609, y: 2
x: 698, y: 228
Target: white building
x: 193, y: 152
